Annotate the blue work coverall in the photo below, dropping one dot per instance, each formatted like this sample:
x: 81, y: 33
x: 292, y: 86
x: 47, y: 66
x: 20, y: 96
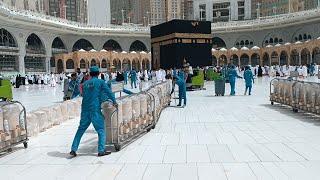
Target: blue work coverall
x: 133, y: 78
x: 182, y: 88
x: 95, y: 92
x: 248, y: 77
x: 232, y: 79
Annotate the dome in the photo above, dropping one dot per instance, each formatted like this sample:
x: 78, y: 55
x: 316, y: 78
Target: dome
x: 82, y: 50
x: 223, y: 49
x: 114, y: 51
x: 244, y: 48
x: 234, y: 49
x: 277, y: 45
x: 143, y: 52
x: 269, y: 46
x: 255, y: 48
x: 93, y: 50
x: 298, y: 42
x: 103, y: 50
x: 133, y: 52
x: 287, y: 43
x: 318, y: 38
x: 123, y: 52
x: 213, y: 50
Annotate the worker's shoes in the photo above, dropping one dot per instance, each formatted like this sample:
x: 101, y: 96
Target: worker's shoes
x: 104, y: 153
x: 73, y: 154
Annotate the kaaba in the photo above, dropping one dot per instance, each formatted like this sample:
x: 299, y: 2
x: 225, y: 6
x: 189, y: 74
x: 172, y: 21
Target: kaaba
x: 178, y: 40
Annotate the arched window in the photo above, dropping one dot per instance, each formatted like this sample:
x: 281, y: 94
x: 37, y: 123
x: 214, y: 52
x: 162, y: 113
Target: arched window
x: 82, y: 64
x: 34, y: 45
x: 6, y: 39
x: 93, y: 62
x: 82, y: 44
x: 138, y: 46
x: 69, y: 64
x: 103, y: 63
x: 300, y: 37
x: 112, y: 45
x: 305, y: 36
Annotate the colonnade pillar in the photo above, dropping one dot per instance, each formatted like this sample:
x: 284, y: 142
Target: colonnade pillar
x: 21, y: 64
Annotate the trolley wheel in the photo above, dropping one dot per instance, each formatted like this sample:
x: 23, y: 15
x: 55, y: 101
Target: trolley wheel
x: 117, y: 147
x: 25, y: 145
x: 9, y: 150
x: 295, y: 110
x: 153, y: 126
x: 272, y: 103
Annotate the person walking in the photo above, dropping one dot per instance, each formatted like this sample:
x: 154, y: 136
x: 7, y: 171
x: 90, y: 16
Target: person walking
x: 180, y: 81
x: 95, y: 92
x: 248, y: 77
x: 232, y: 79
x: 133, y: 78
x: 73, y: 86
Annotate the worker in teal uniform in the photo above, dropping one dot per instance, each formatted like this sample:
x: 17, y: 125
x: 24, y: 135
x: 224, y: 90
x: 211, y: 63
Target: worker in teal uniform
x: 232, y: 79
x: 133, y: 78
x: 180, y: 81
x: 248, y: 77
x: 125, y: 76
x: 95, y: 92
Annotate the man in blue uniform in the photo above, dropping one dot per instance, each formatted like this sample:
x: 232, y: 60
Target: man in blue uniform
x: 248, y: 77
x: 180, y: 81
x: 232, y: 79
x: 133, y: 78
x: 95, y: 92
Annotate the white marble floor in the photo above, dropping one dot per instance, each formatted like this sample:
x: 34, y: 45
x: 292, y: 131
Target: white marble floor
x: 227, y: 138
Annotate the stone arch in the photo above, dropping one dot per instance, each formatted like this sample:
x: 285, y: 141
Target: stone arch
x: 316, y: 55
x: 305, y: 56
x: 234, y: 59
x: 266, y: 59
x: 60, y: 66
x: 274, y: 58
x: 138, y: 46
x: 82, y: 44
x: 117, y: 64
x: 283, y: 58
x: 34, y: 45
x: 7, y: 39
x: 218, y: 42
x: 222, y: 60
x: 104, y: 63
x: 57, y: 43
x: 112, y: 45
x: 69, y: 64
x: 94, y: 62
x: 294, y: 58
x: 255, y: 59
x: 126, y: 65
x: 244, y: 60
x: 82, y: 64
x: 136, y: 64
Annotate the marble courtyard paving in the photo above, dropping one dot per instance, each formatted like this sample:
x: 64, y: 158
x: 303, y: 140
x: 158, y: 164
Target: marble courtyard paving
x: 220, y: 138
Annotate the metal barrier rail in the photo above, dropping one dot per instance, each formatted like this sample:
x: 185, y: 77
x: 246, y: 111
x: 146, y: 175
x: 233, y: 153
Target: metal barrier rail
x: 302, y: 95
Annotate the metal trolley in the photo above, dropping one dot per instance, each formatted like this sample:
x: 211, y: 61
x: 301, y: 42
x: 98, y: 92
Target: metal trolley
x: 8, y: 141
x: 117, y: 141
